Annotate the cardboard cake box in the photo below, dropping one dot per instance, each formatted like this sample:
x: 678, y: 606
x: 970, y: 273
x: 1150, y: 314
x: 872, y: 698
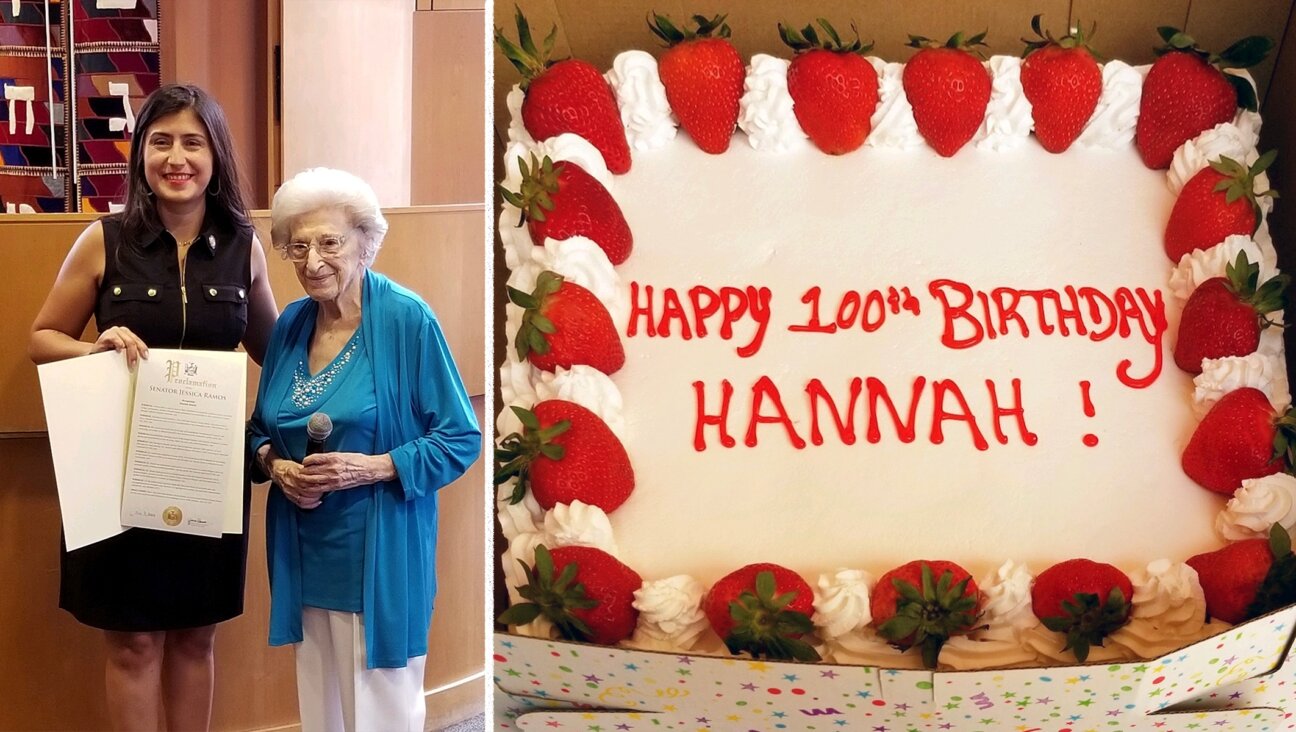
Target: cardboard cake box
x: 1242, y: 679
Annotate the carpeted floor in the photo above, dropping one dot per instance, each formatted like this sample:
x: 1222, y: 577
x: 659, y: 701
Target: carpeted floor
x: 476, y: 724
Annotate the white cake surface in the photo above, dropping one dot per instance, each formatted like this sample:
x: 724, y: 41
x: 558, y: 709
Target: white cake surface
x: 1022, y: 219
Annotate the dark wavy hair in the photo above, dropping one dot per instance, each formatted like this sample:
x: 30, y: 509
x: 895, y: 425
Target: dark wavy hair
x: 226, y: 206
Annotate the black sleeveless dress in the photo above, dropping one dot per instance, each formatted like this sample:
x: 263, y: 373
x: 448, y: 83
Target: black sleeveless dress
x: 145, y: 580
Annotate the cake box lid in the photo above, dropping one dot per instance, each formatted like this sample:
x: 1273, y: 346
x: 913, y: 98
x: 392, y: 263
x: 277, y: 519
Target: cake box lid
x: 1242, y: 680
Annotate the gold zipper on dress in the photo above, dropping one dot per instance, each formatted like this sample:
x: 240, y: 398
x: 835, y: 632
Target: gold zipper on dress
x: 184, y: 293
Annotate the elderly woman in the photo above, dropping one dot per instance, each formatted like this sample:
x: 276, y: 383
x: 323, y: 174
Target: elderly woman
x: 351, y: 523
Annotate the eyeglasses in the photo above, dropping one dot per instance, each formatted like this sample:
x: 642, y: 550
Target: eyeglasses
x: 327, y: 246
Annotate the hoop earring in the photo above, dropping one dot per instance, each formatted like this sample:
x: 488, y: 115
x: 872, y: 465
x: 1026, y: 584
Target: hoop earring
x: 216, y: 192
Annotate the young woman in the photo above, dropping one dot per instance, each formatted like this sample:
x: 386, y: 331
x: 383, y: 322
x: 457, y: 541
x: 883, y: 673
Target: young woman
x: 180, y: 267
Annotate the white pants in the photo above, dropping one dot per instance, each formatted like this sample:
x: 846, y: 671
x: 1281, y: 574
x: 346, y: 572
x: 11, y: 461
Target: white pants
x: 336, y: 693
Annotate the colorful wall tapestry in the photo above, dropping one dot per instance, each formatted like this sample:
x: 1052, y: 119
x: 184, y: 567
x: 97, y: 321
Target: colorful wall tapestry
x: 74, y: 73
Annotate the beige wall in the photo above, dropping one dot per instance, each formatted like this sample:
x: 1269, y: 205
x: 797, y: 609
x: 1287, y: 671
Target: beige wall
x: 51, y: 668
x: 449, y: 131
x: 347, y: 70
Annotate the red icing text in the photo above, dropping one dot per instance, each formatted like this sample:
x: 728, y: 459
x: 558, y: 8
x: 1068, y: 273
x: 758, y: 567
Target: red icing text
x: 972, y: 316
x: 895, y: 415
x: 664, y: 310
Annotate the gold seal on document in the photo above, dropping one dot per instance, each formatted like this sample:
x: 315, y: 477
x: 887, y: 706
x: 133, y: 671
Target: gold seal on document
x: 171, y: 516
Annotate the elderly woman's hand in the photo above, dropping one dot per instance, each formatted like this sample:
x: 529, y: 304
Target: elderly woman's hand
x: 301, y: 489
x: 335, y: 471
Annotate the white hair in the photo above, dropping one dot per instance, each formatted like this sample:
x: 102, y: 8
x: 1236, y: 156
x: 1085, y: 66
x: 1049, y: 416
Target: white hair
x: 322, y: 188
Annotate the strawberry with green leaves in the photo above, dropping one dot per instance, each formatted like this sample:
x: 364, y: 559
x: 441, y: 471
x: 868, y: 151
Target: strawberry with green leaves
x: 703, y: 76
x: 1241, y: 437
x: 585, y: 592
x: 834, y: 88
x: 924, y: 604
x: 1224, y: 315
x: 1186, y: 92
x: 1062, y: 81
x: 1247, y: 579
x: 1084, y: 600
x: 561, y: 200
x: 949, y: 89
x: 764, y: 610
x: 1217, y: 202
x: 564, y: 453
x: 564, y: 324
x: 565, y: 96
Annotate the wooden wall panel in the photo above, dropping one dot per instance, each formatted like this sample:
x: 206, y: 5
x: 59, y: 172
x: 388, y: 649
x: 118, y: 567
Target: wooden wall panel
x: 1127, y: 30
x: 222, y: 48
x: 435, y: 250
x: 448, y: 134
x: 1216, y: 24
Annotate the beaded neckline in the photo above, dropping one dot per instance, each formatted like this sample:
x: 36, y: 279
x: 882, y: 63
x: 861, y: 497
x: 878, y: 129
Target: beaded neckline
x: 307, y: 389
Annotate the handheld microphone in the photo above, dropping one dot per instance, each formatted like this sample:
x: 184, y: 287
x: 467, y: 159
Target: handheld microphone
x: 318, y: 430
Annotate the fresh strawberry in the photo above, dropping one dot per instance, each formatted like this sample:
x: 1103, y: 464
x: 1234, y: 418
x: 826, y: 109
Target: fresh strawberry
x: 1224, y: 315
x: 834, y: 89
x: 565, y: 325
x: 561, y: 200
x: 923, y: 603
x: 565, y: 453
x: 703, y: 76
x: 763, y: 609
x: 949, y: 89
x: 1248, y: 578
x: 1186, y: 93
x: 1085, y: 600
x: 1240, y: 437
x: 1218, y: 202
x: 566, y: 96
x: 585, y: 592
x: 1062, y: 82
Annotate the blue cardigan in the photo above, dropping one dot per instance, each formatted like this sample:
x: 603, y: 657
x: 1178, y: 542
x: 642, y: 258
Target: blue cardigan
x: 425, y: 423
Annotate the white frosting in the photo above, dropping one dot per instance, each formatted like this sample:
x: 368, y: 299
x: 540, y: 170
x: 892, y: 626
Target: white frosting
x: 566, y: 146
x: 1248, y: 121
x: 519, y: 518
x: 842, y: 603
x: 579, y: 524
x: 1219, y: 376
x: 588, y: 387
x: 1195, y: 155
x: 1112, y: 124
x: 641, y: 96
x: 517, y: 132
x: 1049, y: 647
x: 521, y: 549
x: 1008, y: 121
x: 1200, y: 265
x: 1169, y: 611
x: 867, y: 648
x: 893, y: 121
x: 670, y: 614
x: 1258, y: 505
x: 765, y: 111
x: 1271, y: 338
x: 1006, y: 616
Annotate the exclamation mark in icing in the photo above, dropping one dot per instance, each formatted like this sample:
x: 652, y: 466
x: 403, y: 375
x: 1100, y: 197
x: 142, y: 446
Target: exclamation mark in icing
x: 1090, y: 440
